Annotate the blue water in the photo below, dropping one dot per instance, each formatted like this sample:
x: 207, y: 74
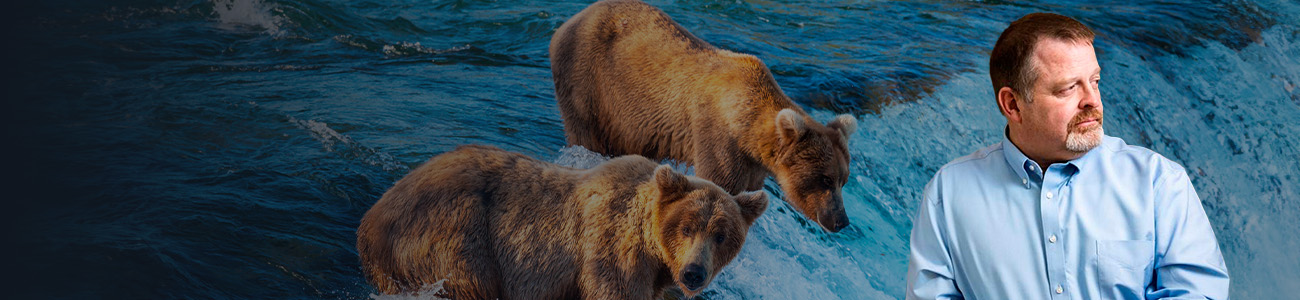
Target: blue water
x: 227, y: 149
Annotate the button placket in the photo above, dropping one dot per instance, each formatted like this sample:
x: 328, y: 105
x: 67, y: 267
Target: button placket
x: 1053, y: 180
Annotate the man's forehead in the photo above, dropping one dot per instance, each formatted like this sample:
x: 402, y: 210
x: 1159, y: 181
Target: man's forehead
x: 1056, y: 58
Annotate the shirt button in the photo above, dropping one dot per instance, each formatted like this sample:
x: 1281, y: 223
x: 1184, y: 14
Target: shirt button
x: 1052, y: 239
x: 1024, y: 181
x: 1059, y: 290
x: 1049, y: 195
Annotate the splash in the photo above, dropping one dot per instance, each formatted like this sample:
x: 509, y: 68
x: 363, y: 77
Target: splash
x: 336, y: 142
x: 579, y: 157
x: 408, y: 48
x: 427, y: 292
x: 237, y: 14
x: 322, y: 132
x: 394, y: 49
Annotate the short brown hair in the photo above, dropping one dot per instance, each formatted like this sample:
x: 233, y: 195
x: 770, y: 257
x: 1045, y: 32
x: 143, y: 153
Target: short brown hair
x: 1009, y: 64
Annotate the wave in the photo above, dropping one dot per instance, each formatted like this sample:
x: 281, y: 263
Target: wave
x: 427, y: 292
x: 336, y: 142
x: 394, y: 49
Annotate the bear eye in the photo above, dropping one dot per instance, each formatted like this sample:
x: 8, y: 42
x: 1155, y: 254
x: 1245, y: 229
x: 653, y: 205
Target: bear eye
x: 686, y: 230
x: 719, y: 238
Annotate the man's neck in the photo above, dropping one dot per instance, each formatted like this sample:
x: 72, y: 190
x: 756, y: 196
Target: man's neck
x: 1033, y: 153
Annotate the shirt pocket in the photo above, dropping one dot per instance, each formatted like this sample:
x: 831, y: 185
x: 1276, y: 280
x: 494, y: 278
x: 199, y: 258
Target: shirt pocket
x: 1124, y: 268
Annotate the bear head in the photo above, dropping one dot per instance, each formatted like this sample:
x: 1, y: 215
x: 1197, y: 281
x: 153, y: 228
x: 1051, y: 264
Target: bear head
x: 700, y: 227
x: 812, y: 164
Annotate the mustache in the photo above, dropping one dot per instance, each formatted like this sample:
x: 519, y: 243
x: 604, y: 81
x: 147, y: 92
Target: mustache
x: 1091, y: 113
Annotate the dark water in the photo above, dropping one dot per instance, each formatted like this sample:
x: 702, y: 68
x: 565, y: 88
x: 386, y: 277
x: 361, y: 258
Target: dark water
x: 227, y: 149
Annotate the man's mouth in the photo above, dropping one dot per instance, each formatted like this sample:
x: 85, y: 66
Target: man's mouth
x: 1086, y: 123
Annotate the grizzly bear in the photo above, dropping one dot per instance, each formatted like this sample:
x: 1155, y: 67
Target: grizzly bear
x: 501, y: 225
x: 630, y: 80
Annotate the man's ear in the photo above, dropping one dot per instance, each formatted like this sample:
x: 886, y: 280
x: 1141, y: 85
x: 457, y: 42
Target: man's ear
x: 671, y: 184
x: 789, y: 125
x: 845, y: 124
x: 752, y: 205
x: 1009, y: 104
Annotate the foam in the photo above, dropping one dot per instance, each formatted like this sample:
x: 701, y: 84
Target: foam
x: 579, y: 157
x: 426, y: 292
x: 336, y: 142
x: 234, y: 14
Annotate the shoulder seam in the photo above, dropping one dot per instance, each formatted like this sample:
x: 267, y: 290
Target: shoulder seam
x: 969, y: 158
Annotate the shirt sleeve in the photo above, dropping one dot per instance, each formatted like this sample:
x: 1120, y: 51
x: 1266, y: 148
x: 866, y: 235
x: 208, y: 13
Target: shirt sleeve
x: 929, y: 268
x: 1189, y: 264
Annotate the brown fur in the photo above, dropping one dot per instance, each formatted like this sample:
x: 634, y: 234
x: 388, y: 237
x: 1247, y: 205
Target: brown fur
x: 630, y: 80
x: 498, y: 224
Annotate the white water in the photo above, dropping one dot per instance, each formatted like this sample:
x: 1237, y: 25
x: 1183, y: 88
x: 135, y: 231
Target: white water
x: 236, y: 14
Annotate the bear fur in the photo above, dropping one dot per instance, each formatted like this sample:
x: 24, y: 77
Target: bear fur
x: 501, y: 225
x: 630, y: 80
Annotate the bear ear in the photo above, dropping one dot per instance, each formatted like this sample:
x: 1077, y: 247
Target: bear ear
x: 752, y: 205
x: 670, y: 182
x: 789, y: 125
x: 845, y: 124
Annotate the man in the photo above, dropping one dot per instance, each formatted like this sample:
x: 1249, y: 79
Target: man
x: 1058, y: 210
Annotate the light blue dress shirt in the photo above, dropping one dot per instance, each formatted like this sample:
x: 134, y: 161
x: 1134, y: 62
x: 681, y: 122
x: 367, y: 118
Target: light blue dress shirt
x: 1121, y: 222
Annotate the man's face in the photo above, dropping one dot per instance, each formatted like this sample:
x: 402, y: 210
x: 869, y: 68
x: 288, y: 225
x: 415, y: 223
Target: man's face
x: 1065, y: 114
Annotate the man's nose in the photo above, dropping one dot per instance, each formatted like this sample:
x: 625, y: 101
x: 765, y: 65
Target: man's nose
x: 1091, y: 97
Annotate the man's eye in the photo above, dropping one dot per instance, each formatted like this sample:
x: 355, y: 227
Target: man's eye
x: 1067, y: 89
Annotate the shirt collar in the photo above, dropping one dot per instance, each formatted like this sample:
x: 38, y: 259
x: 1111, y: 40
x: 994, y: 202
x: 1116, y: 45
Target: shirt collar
x: 1091, y: 158
x: 1025, y: 167
x: 1017, y: 160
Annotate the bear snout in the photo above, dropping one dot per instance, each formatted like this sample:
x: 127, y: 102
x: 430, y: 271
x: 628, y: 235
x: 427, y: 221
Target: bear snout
x: 834, y: 220
x: 693, y: 276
